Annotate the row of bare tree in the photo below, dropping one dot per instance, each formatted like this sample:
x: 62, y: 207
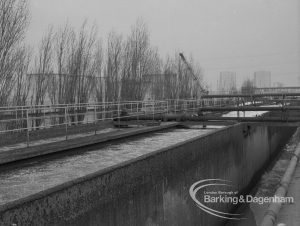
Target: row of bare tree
x: 75, y: 67
x: 14, y: 56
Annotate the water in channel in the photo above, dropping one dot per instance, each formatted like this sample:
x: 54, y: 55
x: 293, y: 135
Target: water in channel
x: 267, y: 185
x: 37, y: 176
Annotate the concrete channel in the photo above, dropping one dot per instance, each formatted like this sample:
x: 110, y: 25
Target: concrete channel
x: 150, y: 187
x: 46, y: 148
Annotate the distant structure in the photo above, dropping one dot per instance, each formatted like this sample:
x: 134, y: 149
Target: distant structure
x: 150, y: 81
x: 262, y: 79
x: 284, y: 89
x: 158, y: 86
x: 51, y: 79
x: 227, y: 82
x: 278, y: 84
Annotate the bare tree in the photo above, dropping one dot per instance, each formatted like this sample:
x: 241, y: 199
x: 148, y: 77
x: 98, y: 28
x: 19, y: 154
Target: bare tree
x: 99, y: 83
x: 62, y: 43
x: 81, y: 69
x: 43, y: 68
x: 124, y: 71
x: 14, y: 20
x: 76, y: 58
x: 99, y: 79
x: 153, y: 79
x: 22, y: 83
x: 139, y: 60
x: 44, y: 72
x: 80, y: 65
x: 248, y: 87
x: 114, y: 67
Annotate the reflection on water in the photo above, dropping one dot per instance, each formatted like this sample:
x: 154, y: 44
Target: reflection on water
x: 248, y: 113
x: 38, y: 176
x: 268, y: 185
x: 244, y: 114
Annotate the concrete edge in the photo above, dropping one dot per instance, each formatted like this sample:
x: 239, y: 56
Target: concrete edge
x: 273, y: 210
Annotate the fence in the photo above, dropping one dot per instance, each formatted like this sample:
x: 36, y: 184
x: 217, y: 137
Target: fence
x: 25, y: 119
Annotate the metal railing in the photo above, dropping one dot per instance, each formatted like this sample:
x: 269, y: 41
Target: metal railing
x: 26, y: 119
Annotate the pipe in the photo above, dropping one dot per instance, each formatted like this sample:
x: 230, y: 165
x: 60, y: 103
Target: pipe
x: 274, y: 208
x: 250, y: 108
x: 183, y: 117
x: 251, y: 95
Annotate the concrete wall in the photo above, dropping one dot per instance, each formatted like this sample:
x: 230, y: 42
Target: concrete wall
x: 154, y: 189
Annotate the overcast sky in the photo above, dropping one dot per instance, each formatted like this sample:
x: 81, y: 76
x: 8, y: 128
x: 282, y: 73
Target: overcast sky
x: 236, y: 35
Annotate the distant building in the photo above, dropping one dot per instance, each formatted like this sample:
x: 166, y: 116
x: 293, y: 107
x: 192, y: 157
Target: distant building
x: 227, y: 82
x: 278, y: 84
x: 159, y: 86
x: 52, y: 81
x: 150, y: 81
x: 262, y: 79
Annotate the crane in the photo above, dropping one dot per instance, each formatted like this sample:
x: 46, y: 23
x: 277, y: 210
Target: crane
x: 192, y: 72
x: 188, y: 66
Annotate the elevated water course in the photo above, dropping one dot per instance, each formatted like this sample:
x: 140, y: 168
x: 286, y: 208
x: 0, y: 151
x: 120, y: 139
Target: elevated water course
x: 154, y: 189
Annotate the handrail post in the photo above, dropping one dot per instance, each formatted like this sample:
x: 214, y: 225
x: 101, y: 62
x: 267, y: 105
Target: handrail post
x: 119, y: 112
x: 66, y: 122
x: 95, y: 119
x: 137, y: 111
x: 44, y: 117
x: 153, y: 104
x: 16, y: 119
x: 22, y: 115
x: 103, y: 107
x: 167, y: 106
x: 27, y: 118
